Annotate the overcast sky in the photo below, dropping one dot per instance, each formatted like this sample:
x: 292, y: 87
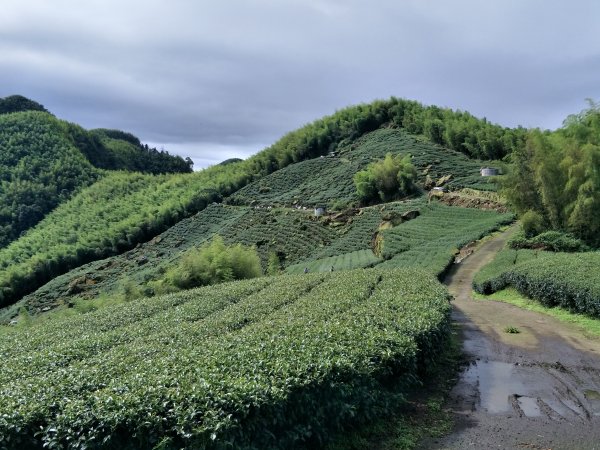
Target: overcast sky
x: 218, y: 79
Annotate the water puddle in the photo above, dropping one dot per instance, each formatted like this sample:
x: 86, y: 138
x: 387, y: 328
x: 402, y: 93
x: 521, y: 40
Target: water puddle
x: 496, y: 383
x: 529, y: 406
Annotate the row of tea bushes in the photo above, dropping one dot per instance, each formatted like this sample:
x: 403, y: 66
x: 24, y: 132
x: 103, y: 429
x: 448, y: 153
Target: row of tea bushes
x: 569, y: 280
x: 264, y: 363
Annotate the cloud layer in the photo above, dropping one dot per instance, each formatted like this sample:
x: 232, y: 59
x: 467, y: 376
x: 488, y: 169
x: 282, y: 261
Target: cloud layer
x: 212, y: 80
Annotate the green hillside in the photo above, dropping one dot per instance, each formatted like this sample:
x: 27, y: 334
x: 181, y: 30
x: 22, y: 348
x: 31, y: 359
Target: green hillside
x: 298, y: 239
x: 101, y: 228
x: 44, y: 161
x: 18, y: 103
x: 40, y: 168
x: 108, y: 217
x: 329, y: 179
x: 257, y: 364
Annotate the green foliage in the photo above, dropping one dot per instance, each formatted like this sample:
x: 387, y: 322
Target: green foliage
x: 276, y: 356
x: 24, y: 319
x: 124, y: 151
x: 214, y: 262
x: 556, y: 176
x: 532, y: 223
x: 386, y: 180
x: 477, y: 138
x: 325, y: 180
x: 90, y: 230
x: 569, y: 280
x: 511, y: 330
x: 555, y: 241
x: 39, y: 169
x: 273, y: 264
x: 109, y: 217
x: 44, y: 161
x: 347, y: 261
x: 18, y: 103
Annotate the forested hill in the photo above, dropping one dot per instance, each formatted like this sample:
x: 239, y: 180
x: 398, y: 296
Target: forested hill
x: 117, y: 213
x: 44, y: 160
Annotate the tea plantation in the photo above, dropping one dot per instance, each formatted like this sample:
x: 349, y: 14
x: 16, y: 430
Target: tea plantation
x: 569, y: 280
x: 431, y: 240
x: 264, y: 363
x: 327, y: 179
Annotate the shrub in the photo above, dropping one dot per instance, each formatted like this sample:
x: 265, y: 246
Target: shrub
x: 386, y: 180
x: 569, y: 280
x: 556, y: 241
x: 252, y: 364
x: 214, y: 262
x: 532, y: 223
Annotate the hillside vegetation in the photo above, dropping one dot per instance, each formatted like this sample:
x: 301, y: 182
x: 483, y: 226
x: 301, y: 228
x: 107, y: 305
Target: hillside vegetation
x: 554, y: 183
x: 280, y: 357
x: 102, y: 221
x: 329, y: 180
x: 296, y: 238
x: 39, y: 169
x: 109, y: 217
x: 44, y: 161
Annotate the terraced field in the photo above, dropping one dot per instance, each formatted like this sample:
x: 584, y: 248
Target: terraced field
x: 299, y: 239
x: 263, y: 363
x: 431, y: 240
x: 328, y: 179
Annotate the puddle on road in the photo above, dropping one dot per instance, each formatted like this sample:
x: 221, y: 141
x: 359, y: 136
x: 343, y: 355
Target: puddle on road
x: 496, y: 383
x: 529, y: 406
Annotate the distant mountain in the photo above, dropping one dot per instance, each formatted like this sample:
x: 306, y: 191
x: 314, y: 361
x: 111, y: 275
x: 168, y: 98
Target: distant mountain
x: 44, y: 160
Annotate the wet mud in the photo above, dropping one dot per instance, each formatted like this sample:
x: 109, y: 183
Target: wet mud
x: 538, y: 389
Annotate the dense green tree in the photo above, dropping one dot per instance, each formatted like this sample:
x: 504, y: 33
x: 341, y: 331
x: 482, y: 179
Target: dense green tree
x: 18, y: 103
x: 554, y: 181
x: 389, y: 179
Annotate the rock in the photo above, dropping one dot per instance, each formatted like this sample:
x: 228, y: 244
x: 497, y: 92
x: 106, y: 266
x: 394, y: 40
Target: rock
x: 429, y: 183
x: 142, y: 260
x: 46, y: 308
x: 443, y: 180
x: 410, y: 215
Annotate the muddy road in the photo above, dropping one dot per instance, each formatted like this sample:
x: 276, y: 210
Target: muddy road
x: 539, y: 389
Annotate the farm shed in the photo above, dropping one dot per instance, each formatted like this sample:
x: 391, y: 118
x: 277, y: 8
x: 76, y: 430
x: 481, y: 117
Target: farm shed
x: 320, y: 210
x: 489, y: 171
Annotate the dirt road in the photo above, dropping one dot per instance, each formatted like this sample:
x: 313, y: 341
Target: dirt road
x: 539, y: 389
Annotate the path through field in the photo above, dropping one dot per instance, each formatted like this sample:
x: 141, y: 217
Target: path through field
x: 539, y: 389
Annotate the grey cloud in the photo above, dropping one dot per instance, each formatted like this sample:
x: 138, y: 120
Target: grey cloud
x: 215, y: 80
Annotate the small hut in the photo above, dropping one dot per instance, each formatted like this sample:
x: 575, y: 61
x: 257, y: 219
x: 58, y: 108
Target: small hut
x: 320, y: 211
x: 489, y: 171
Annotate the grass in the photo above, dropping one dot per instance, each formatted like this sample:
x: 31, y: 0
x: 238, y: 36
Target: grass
x: 512, y: 296
x: 511, y: 330
x: 424, y: 418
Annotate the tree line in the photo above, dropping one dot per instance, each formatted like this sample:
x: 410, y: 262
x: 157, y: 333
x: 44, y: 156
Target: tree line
x: 554, y: 181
